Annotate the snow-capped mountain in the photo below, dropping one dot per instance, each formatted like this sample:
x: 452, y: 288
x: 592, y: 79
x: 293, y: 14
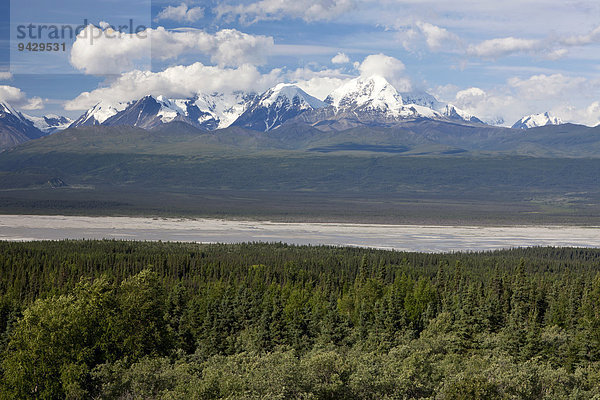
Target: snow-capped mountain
x: 360, y: 101
x: 223, y: 109
x: 424, y: 99
x: 50, y: 123
x: 204, y: 111
x: 15, y: 128
x: 99, y: 113
x: 537, y: 120
x: 151, y: 111
x: 452, y: 112
x: 366, y: 101
x: 375, y: 97
x: 448, y: 110
x: 277, y: 105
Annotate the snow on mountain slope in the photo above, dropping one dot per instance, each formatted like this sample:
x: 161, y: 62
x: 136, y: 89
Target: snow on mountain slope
x: 374, y: 94
x: 422, y: 99
x: 455, y: 113
x: 374, y: 101
x: 50, y: 123
x: 373, y: 97
x: 223, y: 109
x: 448, y: 110
x: 15, y: 128
x: 277, y: 105
x: 285, y: 93
x: 363, y: 100
x: 537, y: 120
x: 204, y: 111
x: 151, y: 111
x: 99, y: 113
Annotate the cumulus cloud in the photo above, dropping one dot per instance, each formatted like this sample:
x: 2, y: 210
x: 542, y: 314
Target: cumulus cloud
x: 340, y: 58
x: 188, y: 81
x: 17, y: 98
x: 181, y: 13
x: 99, y: 51
x: 308, y: 10
x: 177, y: 82
x: 588, y: 115
x: 317, y: 83
x: 435, y: 37
x: 389, y: 67
x: 470, y: 97
x: 5, y: 75
x: 421, y: 34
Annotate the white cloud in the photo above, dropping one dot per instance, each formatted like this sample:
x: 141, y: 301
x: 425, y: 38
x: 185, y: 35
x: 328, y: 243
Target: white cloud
x: 589, y: 115
x: 389, y: 67
x: 177, y: 82
x: 5, y: 75
x: 471, y: 96
x: 553, y: 47
x: 181, y: 13
x: 495, y: 48
x: 494, y: 107
x: 340, y: 58
x: 17, y: 98
x: 419, y: 35
x: 308, y: 10
x: 188, y: 81
x: 317, y: 83
x: 435, y: 37
x: 579, y: 40
x: 33, y: 103
x: 102, y: 51
x: 541, y: 87
x: 571, y: 98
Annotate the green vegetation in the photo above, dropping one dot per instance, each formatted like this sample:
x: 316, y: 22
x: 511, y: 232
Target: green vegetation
x: 128, y: 320
x: 297, y: 173
x: 305, y: 186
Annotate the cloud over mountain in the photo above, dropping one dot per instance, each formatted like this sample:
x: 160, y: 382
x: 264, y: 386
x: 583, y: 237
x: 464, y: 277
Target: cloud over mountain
x: 99, y: 51
x: 18, y: 98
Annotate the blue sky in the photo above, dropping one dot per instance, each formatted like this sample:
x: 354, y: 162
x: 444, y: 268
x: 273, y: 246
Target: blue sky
x: 497, y: 60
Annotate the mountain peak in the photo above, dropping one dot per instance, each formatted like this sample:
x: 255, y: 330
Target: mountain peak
x: 537, y: 120
x: 6, y: 108
x: 453, y: 112
x: 15, y: 127
x: 99, y: 113
x: 290, y: 93
x: 277, y: 105
x: 372, y: 93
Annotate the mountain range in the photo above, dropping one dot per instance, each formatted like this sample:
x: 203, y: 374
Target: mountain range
x: 361, y: 102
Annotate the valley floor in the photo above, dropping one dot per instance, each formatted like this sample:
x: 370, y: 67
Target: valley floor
x: 307, y: 206
x: 424, y: 238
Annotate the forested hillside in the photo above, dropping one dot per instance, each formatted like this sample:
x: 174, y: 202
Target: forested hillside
x: 125, y: 320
